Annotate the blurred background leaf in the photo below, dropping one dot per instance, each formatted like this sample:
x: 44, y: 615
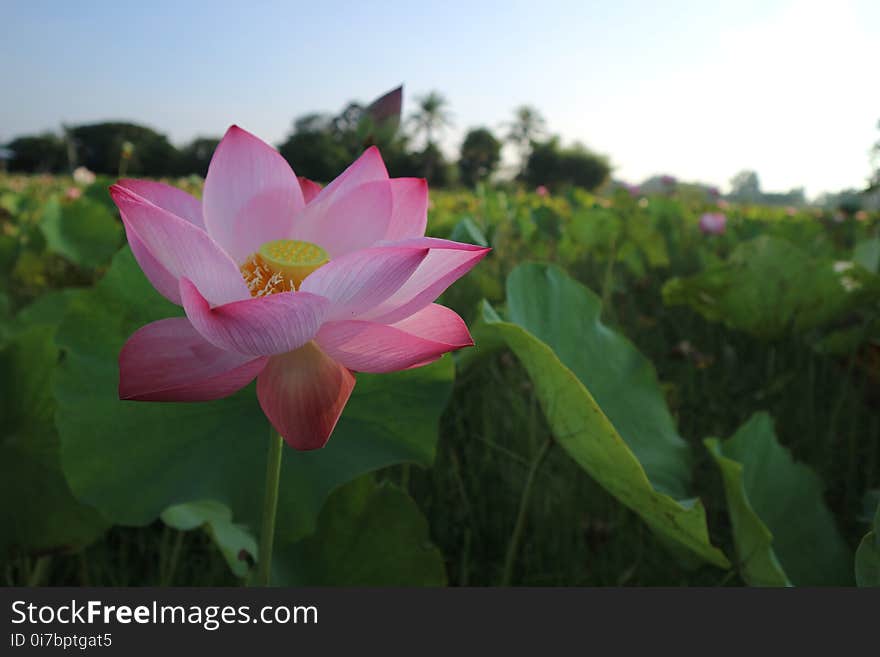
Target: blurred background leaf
x: 868, y: 555
x: 39, y: 514
x: 85, y: 232
x: 782, y: 528
x: 367, y: 534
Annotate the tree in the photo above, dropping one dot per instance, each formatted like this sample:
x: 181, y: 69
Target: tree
x: 431, y: 164
x: 745, y: 187
x: 874, y: 182
x: 196, y: 156
x: 480, y: 155
x: 315, y: 154
x: 552, y: 165
x: 100, y: 146
x: 527, y: 127
x: 321, y: 146
x: 45, y: 153
x: 431, y: 117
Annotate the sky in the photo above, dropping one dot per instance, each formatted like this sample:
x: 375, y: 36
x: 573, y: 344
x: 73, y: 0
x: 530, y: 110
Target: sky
x: 698, y: 90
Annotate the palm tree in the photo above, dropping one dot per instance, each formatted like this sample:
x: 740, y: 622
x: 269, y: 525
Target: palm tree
x: 432, y: 116
x: 527, y: 126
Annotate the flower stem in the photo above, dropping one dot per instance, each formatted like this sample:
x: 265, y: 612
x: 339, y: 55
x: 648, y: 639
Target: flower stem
x: 270, y: 506
x: 516, y: 537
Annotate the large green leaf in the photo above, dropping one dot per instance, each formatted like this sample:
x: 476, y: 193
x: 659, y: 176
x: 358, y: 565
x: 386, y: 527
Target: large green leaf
x: 867, y: 254
x: 565, y: 315
x: 469, y: 232
x: 782, y: 529
x: 85, y: 232
x: 38, y: 513
x: 367, y: 535
x: 132, y: 460
x: 868, y: 555
x: 602, y: 401
x: 233, y: 540
x: 769, y: 286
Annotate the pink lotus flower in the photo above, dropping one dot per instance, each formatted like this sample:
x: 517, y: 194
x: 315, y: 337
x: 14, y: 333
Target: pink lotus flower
x: 713, y: 223
x: 286, y: 282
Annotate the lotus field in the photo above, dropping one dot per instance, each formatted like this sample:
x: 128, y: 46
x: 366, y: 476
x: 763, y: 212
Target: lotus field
x: 663, y: 389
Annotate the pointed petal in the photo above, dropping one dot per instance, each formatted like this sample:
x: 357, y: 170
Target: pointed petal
x: 446, y: 262
x: 303, y: 393
x: 410, y: 214
x: 169, y: 361
x: 419, y: 339
x: 176, y: 201
x: 259, y: 326
x: 159, y: 277
x: 180, y: 248
x: 368, y: 167
x: 358, y: 281
x: 309, y: 188
x: 251, y: 194
x: 348, y: 221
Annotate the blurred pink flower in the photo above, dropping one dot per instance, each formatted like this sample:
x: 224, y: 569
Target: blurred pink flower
x: 72, y: 193
x: 861, y: 215
x: 713, y: 223
x: 83, y: 176
x: 289, y: 283
x: 541, y: 190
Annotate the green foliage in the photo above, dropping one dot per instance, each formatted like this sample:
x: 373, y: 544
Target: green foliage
x: 480, y: 155
x: 39, y: 514
x: 235, y: 542
x: 468, y: 232
x: 85, y: 232
x: 782, y: 528
x: 317, y: 155
x: 553, y: 166
x: 195, y: 157
x: 867, y: 254
x: 555, y: 372
x: 769, y: 286
x: 101, y: 147
x: 431, y: 117
x: 601, y: 400
x: 367, y: 535
x: 868, y: 555
x: 44, y: 153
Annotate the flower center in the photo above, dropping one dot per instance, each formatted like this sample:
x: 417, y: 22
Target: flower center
x: 281, y: 266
